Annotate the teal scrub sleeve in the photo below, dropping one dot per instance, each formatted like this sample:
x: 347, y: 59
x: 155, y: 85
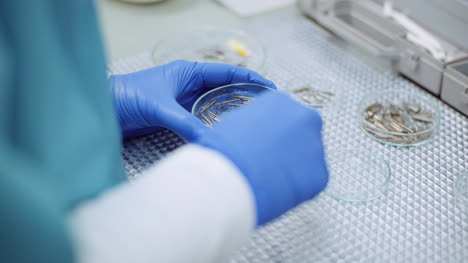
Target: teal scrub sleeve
x: 59, y: 137
x: 31, y: 224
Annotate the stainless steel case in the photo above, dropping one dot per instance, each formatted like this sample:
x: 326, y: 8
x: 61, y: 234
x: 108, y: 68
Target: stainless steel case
x: 367, y: 24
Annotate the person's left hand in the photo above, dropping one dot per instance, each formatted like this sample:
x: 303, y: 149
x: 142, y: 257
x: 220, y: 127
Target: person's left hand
x: 161, y: 97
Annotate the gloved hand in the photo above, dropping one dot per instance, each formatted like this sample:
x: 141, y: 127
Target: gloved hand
x: 276, y: 143
x: 162, y: 96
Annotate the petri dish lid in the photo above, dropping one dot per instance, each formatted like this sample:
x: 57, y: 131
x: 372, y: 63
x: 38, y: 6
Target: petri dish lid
x: 461, y: 191
x: 211, y: 44
x: 356, y: 175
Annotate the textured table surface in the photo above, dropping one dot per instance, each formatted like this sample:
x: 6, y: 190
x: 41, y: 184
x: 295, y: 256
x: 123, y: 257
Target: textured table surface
x: 417, y: 220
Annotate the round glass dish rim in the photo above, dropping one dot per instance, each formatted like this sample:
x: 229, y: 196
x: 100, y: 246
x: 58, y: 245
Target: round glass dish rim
x: 225, y: 86
x: 330, y: 104
x: 389, y: 170
x: 456, y: 187
x: 157, y: 46
x: 433, y: 127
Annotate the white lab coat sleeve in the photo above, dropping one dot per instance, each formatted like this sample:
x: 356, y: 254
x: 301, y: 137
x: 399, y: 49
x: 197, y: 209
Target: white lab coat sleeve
x: 194, y: 206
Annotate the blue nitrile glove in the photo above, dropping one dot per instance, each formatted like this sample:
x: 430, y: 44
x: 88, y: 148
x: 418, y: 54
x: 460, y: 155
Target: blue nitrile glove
x: 276, y: 143
x: 162, y: 96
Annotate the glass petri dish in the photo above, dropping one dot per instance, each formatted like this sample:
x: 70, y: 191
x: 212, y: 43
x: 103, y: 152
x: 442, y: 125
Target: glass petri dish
x: 211, y: 106
x: 461, y: 191
x: 398, y: 118
x: 356, y: 175
x: 212, y: 44
x: 318, y: 93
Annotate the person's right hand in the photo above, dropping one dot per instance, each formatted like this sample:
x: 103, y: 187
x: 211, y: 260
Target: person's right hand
x: 276, y: 143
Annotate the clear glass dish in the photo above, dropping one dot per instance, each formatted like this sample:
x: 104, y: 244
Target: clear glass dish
x: 398, y: 118
x: 318, y: 93
x: 212, y: 44
x: 461, y: 191
x: 211, y: 106
x: 356, y: 175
